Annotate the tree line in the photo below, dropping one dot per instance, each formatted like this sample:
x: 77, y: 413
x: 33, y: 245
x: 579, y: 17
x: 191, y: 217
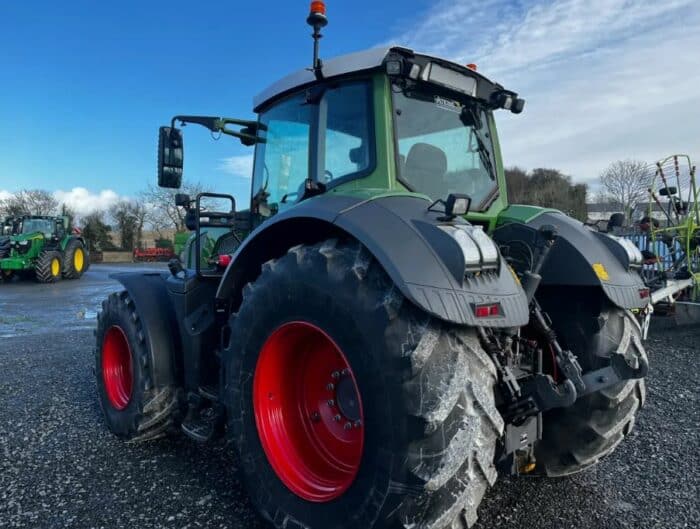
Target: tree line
x: 121, y: 226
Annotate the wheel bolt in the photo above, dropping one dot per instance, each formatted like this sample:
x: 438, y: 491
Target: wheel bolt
x: 345, y: 372
x: 331, y: 402
x: 335, y: 375
x: 315, y: 416
x: 337, y: 418
x: 347, y: 426
x: 330, y: 387
x: 358, y: 423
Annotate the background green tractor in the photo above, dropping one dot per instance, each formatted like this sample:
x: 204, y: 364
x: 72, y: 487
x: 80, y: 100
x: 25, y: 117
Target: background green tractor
x: 390, y: 334
x: 42, y: 246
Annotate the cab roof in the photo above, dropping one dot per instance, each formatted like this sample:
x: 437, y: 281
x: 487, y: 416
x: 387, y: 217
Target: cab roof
x: 343, y: 65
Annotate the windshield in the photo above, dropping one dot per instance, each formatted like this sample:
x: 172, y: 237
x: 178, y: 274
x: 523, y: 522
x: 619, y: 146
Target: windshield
x: 444, y: 147
x: 42, y: 225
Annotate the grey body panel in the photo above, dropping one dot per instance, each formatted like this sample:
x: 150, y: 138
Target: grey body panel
x: 576, y: 251
x: 336, y: 67
x: 424, y: 263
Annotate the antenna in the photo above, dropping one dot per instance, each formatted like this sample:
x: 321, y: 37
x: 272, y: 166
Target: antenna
x: 317, y: 20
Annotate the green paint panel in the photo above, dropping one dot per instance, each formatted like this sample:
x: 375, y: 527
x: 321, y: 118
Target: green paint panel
x: 522, y: 213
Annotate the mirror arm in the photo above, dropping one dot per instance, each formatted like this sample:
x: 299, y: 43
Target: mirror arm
x: 247, y: 135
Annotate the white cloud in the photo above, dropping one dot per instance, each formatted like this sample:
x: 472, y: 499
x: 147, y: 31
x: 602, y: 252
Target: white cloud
x: 603, y: 79
x: 241, y: 166
x: 84, y: 202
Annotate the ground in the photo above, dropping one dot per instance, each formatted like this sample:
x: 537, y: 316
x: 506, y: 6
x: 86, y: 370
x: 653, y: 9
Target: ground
x: 59, y: 467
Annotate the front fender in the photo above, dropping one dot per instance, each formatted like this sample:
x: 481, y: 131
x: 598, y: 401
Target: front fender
x: 580, y: 258
x: 403, y: 236
x: 155, y: 309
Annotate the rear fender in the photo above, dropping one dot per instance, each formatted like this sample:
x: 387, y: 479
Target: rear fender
x: 155, y: 309
x: 424, y: 263
x: 580, y: 257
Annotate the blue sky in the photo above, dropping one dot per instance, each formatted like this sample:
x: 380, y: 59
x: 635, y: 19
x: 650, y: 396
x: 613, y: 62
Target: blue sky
x: 85, y: 85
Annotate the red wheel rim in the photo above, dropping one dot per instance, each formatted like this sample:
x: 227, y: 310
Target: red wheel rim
x: 308, y: 412
x: 117, y: 372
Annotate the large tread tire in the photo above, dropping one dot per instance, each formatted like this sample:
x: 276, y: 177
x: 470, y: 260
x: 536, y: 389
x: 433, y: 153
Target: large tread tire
x: 4, y: 247
x: 70, y: 270
x: 578, y: 437
x: 152, y: 412
x: 45, y: 270
x: 430, y: 414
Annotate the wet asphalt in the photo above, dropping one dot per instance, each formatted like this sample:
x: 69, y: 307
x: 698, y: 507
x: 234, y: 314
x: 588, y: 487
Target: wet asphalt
x: 59, y: 467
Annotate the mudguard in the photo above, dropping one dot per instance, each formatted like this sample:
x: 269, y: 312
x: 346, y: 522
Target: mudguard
x: 155, y: 309
x: 581, y: 257
x: 424, y: 262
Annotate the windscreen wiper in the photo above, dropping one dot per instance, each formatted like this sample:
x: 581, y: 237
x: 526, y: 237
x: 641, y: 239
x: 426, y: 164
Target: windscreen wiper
x: 471, y: 119
x: 484, y: 155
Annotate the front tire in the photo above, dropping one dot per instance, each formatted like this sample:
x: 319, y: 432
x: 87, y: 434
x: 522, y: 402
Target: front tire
x: 134, y: 409
x: 74, y: 259
x: 578, y: 437
x: 427, y: 419
x: 48, y: 266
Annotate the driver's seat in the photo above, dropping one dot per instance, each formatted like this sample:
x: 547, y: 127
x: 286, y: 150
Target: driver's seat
x: 425, y: 166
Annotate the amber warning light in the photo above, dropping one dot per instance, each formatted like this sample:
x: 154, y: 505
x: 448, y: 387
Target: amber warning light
x: 318, y: 8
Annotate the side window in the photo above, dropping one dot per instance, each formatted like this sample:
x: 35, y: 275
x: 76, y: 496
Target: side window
x: 282, y: 162
x: 348, y: 142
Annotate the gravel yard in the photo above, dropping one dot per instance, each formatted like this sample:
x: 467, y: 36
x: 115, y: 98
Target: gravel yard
x: 59, y: 467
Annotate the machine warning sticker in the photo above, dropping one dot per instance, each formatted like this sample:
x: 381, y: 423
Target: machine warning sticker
x: 601, y: 272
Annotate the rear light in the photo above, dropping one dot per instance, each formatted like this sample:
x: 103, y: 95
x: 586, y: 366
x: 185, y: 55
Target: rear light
x: 643, y: 293
x: 491, y: 310
x: 223, y: 261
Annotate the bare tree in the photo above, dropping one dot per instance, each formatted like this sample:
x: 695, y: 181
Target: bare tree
x: 626, y: 182
x: 161, y: 211
x: 129, y: 217
x: 29, y: 202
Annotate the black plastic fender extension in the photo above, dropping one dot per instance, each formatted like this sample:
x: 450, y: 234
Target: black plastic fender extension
x: 154, y: 307
x: 580, y: 257
x: 423, y: 261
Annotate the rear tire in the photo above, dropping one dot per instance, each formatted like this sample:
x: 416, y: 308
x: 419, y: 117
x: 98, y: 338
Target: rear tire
x: 133, y: 408
x: 48, y: 266
x: 74, y: 259
x: 578, y: 437
x: 429, y: 423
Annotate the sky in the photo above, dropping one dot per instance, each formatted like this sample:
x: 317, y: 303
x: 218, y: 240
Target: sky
x: 84, y: 86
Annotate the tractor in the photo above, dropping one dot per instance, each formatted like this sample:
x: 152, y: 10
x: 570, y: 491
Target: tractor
x: 382, y: 335
x: 44, y: 247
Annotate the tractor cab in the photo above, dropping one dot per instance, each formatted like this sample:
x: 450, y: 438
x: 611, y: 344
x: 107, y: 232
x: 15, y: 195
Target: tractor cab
x: 381, y: 121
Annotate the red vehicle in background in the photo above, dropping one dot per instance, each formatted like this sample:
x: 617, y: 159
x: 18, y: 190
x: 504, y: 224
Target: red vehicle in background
x: 153, y: 254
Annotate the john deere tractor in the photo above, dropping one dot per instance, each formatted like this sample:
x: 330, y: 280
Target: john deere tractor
x: 41, y: 246
x: 390, y: 334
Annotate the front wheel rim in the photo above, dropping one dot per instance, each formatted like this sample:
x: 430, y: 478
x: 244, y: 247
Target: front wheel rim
x: 308, y: 412
x: 55, y: 267
x: 117, y: 373
x: 78, y: 260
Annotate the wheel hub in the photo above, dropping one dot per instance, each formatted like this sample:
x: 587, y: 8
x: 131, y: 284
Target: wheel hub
x: 308, y: 412
x: 347, y: 399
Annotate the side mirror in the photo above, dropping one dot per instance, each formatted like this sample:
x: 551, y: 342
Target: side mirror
x: 183, y: 200
x: 170, y: 157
